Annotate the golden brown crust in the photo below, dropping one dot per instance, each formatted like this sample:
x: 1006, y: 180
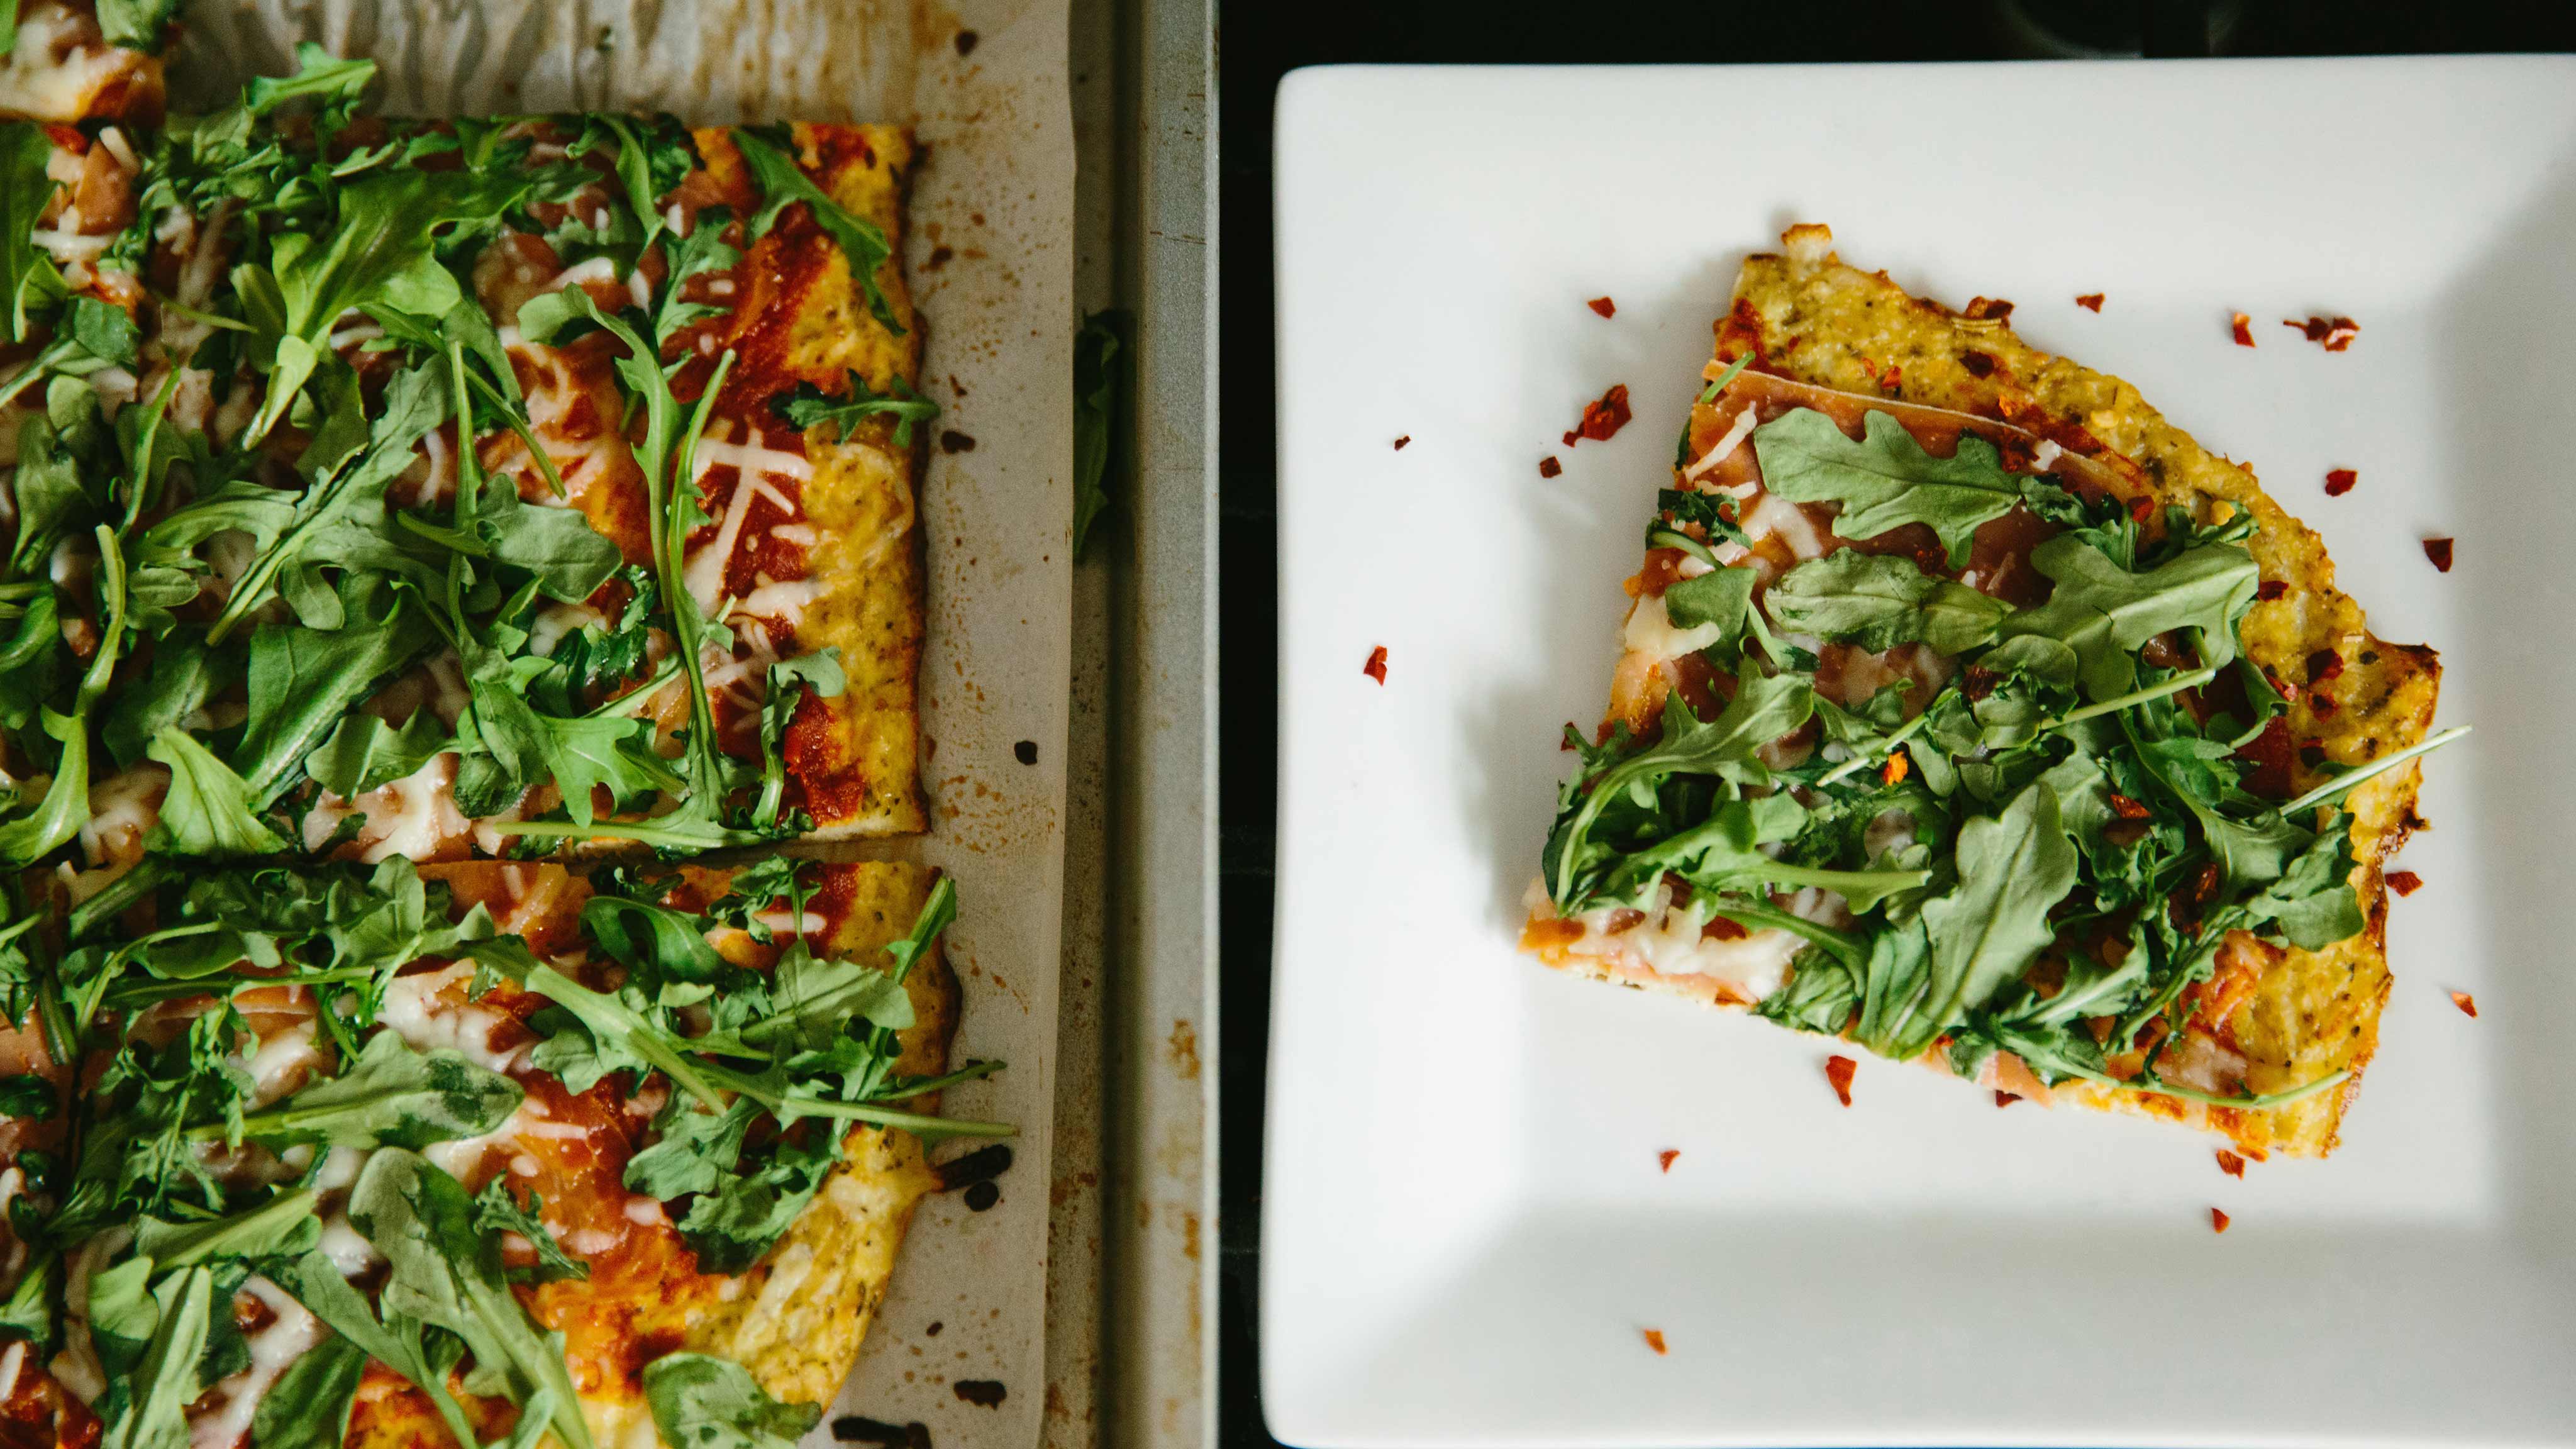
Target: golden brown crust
x: 1809, y: 316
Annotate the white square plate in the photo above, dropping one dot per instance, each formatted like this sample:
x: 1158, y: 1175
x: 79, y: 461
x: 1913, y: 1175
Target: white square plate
x: 1465, y: 1227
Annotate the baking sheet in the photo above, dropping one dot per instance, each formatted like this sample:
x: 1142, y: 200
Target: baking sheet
x: 990, y: 260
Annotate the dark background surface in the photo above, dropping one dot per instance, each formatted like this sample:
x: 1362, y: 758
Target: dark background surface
x: 1261, y: 40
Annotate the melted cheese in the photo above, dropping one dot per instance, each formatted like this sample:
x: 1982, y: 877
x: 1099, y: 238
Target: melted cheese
x: 780, y: 598
x: 414, y: 816
x: 1777, y: 515
x: 36, y: 82
x: 1650, y: 630
x: 1725, y: 447
x: 418, y: 1010
x: 282, y: 1063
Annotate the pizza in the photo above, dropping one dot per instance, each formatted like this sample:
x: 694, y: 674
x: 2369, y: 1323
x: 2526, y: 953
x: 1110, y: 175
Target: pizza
x: 642, y: 1145
x: 653, y: 581
x: 450, y: 570
x: 1971, y: 713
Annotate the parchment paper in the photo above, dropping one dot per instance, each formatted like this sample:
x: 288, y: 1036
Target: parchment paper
x: 990, y: 258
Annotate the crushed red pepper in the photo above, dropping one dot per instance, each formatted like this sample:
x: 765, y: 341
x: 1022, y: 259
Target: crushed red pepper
x: 1602, y: 417
x: 2467, y: 1004
x: 2090, y: 301
x: 2439, y: 551
x: 1400, y: 442
x: 2217, y: 1221
x: 1655, y: 1340
x: 2230, y: 1163
x: 2128, y: 809
x: 1893, y: 772
x: 2244, y: 327
x: 2405, y: 882
x: 1603, y: 305
x: 2339, y: 481
x: 1376, y: 666
x: 2323, y: 665
x: 1666, y: 1157
x: 1839, y: 1070
x: 1548, y: 467
x: 2004, y: 1099
x: 2334, y: 333
x: 2271, y: 589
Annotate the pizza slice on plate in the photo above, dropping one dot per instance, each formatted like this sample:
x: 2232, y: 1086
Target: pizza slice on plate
x: 642, y: 1149
x: 1970, y: 712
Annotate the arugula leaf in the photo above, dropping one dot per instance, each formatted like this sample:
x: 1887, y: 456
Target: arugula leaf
x: 703, y: 1402
x: 788, y: 682
x: 1886, y: 479
x: 209, y: 810
x: 401, y: 1341
x: 445, y: 1274
x: 1878, y: 601
x: 317, y: 74
x: 810, y: 407
x: 2104, y: 613
x: 288, y: 1223
x: 2013, y: 869
x: 165, y: 1378
x: 782, y: 183
x: 185, y: 677
x: 308, y: 1406
x: 364, y: 753
x: 1765, y: 707
x: 1100, y: 381
x: 1722, y: 597
x: 58, y: 816
x: 377, y: 252
x: 392, y: 1096
x: 305, y: 683
x: 26, y: 190
x: 495, y: 1211
x: 135, y: 24
x: 1723, y: 853
x: 30, y: 1312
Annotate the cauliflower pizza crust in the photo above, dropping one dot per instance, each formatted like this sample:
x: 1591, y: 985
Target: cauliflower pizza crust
x: 1802, y: 322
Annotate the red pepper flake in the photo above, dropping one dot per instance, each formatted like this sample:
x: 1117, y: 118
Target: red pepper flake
x: 1376, y: 667
x: 2128, y: 809
x: 2244, y: 330
x: 1604, y: 417
x: 2230, y: 1163
x: 2467, y: 1004
x: 1400, y: 442
x: 2004, y: 1099
x: 1655, y: 1340
x: 2090, y: 301
x: 2271, y: 589
x: 2322, y: 704
x: 2217, y: 1221
x: 2339, y: 481
x: 1838, y: 1070
x: 1548, y: 467
x: 2439, y: 551
x: 2142, y: 508
x: 2405, y: 882
x: 1602, y: 305
x: 2335, y: 333
x: 1894, y: 770
x: 2323, y: 665
x: 1666, y: 1157
x: 1890, y: 377
x: 1978, y: 364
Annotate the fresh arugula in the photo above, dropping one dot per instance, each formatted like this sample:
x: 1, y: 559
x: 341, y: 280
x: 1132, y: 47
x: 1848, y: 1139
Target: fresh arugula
x: 809, y: 407
x: 2040, y: 850
x: 1885, y: 479
x: 700, y: 1401
x: 782, y: 184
